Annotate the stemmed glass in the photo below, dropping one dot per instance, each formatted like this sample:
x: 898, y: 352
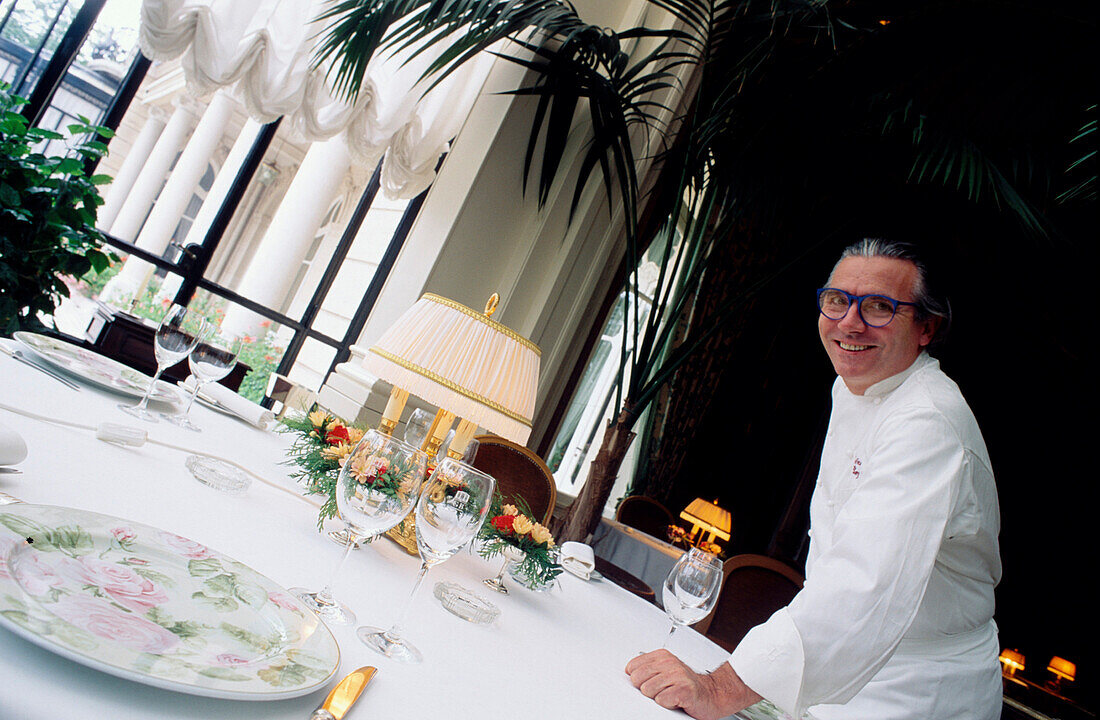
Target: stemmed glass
x: 452, y: 507
x: 691, y: 588
x: 178, y: 333
x: 378, y: 485
x: 212, y: 359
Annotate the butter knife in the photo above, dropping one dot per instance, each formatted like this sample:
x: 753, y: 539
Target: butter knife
x: 344, y: 695
x: 15, y: 354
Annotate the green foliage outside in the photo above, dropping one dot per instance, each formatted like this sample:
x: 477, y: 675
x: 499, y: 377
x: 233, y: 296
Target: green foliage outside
x: 48, y: 211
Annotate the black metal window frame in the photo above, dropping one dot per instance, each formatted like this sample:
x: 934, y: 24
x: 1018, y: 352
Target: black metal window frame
x: 194, y: 260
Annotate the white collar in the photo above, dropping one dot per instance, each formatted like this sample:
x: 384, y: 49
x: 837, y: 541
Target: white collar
x: 885, y: 387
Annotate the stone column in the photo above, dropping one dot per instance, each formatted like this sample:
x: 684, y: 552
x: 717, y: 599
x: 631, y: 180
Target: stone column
x: 293, y: 227
x: 172, y: 201
x: 136, y: 206
x: 215, y: 197
x: 135, y: 160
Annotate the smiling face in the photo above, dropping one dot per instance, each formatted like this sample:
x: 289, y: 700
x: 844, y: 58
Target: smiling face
x: 864, y: 355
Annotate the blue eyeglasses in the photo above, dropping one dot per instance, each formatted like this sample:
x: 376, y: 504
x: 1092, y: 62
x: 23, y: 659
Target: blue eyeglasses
x: 874, y: 310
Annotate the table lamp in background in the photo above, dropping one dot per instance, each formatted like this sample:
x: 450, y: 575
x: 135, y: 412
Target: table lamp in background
x: 1011, y: 661
x: 708, y: 517
x: 1062, y: 670
x: 462, y: 362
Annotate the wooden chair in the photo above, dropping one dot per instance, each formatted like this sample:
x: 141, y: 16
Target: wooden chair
x: 518, y: 472
x: 645, y: 514
x: 753, y: 587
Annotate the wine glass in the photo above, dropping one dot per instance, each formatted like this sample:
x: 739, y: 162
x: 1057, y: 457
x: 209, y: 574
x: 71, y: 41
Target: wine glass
x: 416, y: 429
x: 178, y: 333
x: 452, y: 507
x: 377, y: 486
x: 212, y: 359
x: 691, y: 588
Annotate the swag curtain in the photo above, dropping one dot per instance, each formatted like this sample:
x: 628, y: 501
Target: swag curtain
x: 263, y: 50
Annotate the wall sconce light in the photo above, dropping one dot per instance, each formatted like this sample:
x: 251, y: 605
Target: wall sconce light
x: 1011, y: 660
x: 1061, y: 669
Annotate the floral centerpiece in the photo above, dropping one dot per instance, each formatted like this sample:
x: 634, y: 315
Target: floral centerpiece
x: 323, y: 446
x: 510, y: 526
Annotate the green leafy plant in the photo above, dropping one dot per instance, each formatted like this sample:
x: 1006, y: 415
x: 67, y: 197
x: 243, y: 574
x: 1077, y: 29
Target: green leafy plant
x: 48, y: 208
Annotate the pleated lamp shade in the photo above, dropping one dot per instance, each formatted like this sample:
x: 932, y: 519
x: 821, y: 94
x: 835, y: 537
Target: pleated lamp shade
x: 709, y: 516
x: 462, y: 361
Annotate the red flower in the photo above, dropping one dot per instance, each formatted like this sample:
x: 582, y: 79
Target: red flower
x: 336, y: 435
x: 503, y: 523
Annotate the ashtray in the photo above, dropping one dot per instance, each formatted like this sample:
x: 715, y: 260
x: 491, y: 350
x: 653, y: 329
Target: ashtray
x: 465, y: 604
x: 217, y: 474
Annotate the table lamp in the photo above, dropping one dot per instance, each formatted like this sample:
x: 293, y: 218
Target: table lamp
x: 1061, y: 669
x: 462, y: 362
x: 707, y: 516
x: 1011, y: 660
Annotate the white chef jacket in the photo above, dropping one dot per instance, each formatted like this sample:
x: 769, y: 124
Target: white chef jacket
x: 896, y: 616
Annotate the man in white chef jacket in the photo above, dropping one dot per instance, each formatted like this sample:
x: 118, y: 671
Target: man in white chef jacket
x: 896, y: 617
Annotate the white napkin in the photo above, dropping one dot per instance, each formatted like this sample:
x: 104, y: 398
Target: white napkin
x: 242, y: 407
x: 12, y: 448
x: 578, y: 558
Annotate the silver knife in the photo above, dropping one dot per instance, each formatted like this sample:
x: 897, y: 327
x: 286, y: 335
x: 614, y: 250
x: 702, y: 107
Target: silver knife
x: 21, y: 358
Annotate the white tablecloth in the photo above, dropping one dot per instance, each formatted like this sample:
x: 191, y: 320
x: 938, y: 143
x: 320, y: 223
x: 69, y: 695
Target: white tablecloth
x: 550, y: 655
x: 640, y: 554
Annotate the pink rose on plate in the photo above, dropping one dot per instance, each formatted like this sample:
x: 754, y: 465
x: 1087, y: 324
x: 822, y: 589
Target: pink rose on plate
x: 124, y: 535
x: 231, y: 660
x: 103, y: 620
x: 183, y: 546
x: 35, y: 575
x: 283, y: 600
x: 121, y: 583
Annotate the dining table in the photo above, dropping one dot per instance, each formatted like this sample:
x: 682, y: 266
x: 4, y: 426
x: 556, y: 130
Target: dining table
x: 637, y: 552
x: 558, y: 653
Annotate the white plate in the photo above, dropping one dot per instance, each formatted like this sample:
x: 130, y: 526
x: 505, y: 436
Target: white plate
x: 93, y: 367
x: 153, y: 607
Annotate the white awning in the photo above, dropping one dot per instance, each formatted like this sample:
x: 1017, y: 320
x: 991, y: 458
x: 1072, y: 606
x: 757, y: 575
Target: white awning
x: 264, y: 49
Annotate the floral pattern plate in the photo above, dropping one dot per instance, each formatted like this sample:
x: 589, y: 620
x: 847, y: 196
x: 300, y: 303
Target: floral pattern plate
x: 156, y: 608
x: 93, y: 367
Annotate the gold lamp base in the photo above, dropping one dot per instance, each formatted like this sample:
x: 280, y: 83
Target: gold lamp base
x: 405, y: 535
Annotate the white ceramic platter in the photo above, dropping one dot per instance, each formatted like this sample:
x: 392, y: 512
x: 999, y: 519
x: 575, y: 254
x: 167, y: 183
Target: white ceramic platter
x: 93, y: 367
x: 156, y: 608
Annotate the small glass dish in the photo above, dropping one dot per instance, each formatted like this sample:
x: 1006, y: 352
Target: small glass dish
x: 465, y: 604
x: 218, y: 475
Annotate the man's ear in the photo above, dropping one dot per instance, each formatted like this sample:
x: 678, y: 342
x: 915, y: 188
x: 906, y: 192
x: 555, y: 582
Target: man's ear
x: 928, y: 330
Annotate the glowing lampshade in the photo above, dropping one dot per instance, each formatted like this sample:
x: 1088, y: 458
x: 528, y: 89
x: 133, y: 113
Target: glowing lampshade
x: 1012, y: 660
x: 708, y: 516
x: 462, y: 361
x: 1062, y: 669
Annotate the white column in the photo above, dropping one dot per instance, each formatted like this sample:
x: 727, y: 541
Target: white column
x: 284, y: 246
x: 215, y: 197
x: 145, y: 188
x: 124, y: 179
x: 172, y: 201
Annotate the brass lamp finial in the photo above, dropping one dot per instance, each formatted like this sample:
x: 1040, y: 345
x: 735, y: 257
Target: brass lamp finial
x: 491, y: 304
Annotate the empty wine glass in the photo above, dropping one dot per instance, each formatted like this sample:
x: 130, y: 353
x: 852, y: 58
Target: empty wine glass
x: 178, y: 333
x: 377, y: 487
x: 417, y: 426
x: 212, y: 359
x: 453, y: 505
x: 691, y: 588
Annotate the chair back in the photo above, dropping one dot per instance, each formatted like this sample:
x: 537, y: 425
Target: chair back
x: 753, y: 587
x: 519, y: 473
x: 645, y: 514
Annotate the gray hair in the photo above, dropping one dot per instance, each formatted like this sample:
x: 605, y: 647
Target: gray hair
x: 929, y: 303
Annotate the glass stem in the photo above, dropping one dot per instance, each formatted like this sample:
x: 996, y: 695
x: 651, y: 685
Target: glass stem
x: 149, y: 392
x: 325, y: 596
x: 194, y: 394
x: 398, y: 629
x: 668, y: 638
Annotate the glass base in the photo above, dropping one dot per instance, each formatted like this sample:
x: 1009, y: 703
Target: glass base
x: 333, y: 613
x: 139, y: 412
x: 392, y: 646
x: 342, y: 537
x: 182, y: 421
x: 496, y: 584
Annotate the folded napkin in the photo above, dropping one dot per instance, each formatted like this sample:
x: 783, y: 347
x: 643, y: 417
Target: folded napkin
x: 12, y: 447
x: 242, y: 407
x: 578, y: 558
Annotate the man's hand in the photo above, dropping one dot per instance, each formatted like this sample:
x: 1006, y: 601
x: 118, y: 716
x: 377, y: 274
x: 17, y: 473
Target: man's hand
x: 672, y: 684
